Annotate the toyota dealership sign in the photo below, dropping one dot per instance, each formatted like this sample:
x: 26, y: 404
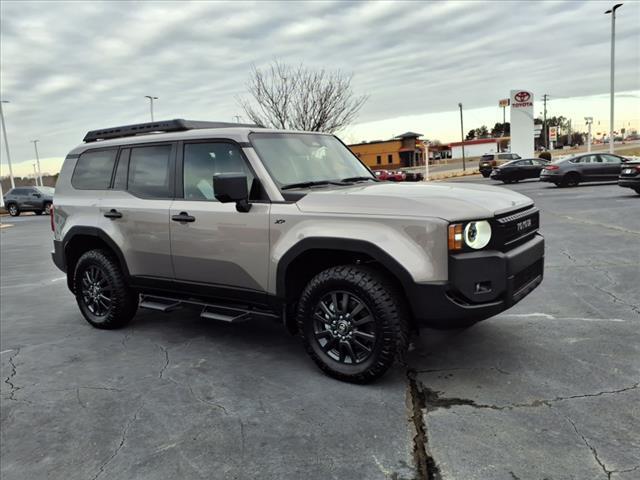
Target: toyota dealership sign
x: 522, y: 123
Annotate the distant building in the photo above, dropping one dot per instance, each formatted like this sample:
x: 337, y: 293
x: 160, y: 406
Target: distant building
x: 478, y: 147
x: 405, y: 150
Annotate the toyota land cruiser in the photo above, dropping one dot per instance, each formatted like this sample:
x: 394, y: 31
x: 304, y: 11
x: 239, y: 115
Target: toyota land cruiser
x: 245, y: 222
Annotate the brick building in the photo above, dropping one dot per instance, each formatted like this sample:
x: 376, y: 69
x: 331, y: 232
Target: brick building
x: 405, y: 150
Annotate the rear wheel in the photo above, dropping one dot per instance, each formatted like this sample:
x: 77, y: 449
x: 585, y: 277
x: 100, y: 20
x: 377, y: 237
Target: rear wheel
x: 485, y: 174
x: 47, y: 208
x: 570, y: 180
x: 353, y: 323
x: 13, y: 209
x: 101, y: 292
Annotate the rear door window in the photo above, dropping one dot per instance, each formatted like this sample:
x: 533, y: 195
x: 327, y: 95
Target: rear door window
x: 610, y: 159
x: 150, y: 171
x: 93, y: 170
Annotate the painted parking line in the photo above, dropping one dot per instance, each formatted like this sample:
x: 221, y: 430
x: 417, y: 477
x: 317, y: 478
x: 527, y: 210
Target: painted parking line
x: 6, y: 351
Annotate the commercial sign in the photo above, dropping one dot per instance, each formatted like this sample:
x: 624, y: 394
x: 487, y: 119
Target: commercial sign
x: 522, y: 131
x: 553, y: 134
x: 504, y: 103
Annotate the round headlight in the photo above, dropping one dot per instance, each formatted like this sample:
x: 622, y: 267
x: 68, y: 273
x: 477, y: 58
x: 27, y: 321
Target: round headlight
x: 477, y: 234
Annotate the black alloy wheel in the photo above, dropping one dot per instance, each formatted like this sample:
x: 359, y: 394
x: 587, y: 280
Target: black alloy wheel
x: 344, y: 327
x: 13, y: 210
x: 96, y: 291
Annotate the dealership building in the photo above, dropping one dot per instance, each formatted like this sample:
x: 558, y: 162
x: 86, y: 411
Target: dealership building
x: 405, y: 150
x: 478, y: 147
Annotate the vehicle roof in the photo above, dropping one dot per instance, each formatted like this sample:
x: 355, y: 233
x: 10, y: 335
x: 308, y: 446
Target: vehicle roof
x: 237, y: 134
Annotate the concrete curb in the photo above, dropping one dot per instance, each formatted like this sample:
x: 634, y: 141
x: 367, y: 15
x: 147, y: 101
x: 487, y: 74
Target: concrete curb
x: 454, y: 174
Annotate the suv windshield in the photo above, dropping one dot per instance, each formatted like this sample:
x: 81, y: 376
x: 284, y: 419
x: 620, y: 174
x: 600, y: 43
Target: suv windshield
x: 307, y: 158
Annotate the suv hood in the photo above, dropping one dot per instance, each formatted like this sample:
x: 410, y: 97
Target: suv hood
x: 449, y: 201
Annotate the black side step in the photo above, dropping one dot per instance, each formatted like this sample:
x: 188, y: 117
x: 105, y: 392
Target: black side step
x: 221, y: 312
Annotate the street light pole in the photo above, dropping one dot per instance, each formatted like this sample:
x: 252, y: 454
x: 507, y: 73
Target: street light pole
x: 35, y: 174
x: 613, y: 64
x: 588, y: 121
x: 462, y: 137
x: 35, y: 145
x: 6, y: 143
x: 151, y: 99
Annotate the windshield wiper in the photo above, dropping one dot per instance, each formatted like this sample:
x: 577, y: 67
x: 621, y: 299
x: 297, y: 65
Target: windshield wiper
x: 358, y: 179
x: 312, y: 184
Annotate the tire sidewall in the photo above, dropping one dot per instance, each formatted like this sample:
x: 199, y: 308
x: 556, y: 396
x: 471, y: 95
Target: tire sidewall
x: 13, y: 210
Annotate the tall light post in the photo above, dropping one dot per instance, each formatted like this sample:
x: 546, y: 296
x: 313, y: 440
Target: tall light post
x: 612, y: 11
x: 35, y: 174
x: 462, y: 137
x: 6, y: 143
x: 588, y: 121
x: 35, y: 145
x: 151, y: 99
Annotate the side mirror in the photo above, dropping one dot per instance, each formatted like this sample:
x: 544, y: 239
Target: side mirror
x: 232, y: 187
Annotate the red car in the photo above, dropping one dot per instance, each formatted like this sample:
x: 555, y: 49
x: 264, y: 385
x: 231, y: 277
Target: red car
x: 390, y: 176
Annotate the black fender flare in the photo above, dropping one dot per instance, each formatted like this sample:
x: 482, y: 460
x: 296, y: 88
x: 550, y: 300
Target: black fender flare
x: 344, y: 244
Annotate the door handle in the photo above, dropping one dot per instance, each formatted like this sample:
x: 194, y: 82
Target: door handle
x: 183, y: 217
x: 113, y: 213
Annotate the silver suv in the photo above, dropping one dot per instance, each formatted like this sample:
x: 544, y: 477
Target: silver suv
x: 244, y: 222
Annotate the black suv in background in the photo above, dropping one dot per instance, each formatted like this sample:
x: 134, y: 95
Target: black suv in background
x: 490, y: 160
x: 29, y: 199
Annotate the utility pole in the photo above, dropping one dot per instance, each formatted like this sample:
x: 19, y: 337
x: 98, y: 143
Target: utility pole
x: 6, y: 143
x: 35, y: 145
x: 35, y: 174
x: 462, y: 137
x: 544, y: 122
x: 612, y: 11
x: 151, y: 99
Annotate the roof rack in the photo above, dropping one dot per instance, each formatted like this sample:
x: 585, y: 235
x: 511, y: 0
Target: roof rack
x: 175, y: 125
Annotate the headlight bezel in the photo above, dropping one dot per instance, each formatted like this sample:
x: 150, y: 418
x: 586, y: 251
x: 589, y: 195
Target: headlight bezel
x: 459, y: 234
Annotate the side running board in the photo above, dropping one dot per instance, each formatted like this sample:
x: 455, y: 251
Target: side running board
x: 224, y: 313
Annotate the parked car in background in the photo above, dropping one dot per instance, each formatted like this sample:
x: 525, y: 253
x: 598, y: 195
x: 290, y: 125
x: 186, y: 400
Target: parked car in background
x: 630, y: 176
x: 391, y: 176
x: 588, y: 167
x: 490, y: 160
x: 414, y: 176
x: 29, y: 199
x: 517, y: 170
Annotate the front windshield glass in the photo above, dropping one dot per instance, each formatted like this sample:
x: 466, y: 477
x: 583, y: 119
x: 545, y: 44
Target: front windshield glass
x: 293, y: 158
x: 47, y: 190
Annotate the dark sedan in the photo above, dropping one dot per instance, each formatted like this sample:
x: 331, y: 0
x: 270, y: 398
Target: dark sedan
x: 517, y: 170
x: 630, y: 176
x: 588, y: 167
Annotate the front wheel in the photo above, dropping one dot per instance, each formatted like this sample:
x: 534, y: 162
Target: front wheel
x: 104, y: 298
x: 47, y: 208
x: 353, y: 323
x: 13, y: 209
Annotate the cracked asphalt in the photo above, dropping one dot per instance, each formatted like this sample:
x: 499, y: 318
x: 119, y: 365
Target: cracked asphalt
x: 547, y: 390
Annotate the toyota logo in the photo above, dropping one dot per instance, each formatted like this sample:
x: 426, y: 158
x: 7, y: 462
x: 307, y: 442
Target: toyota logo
x: 522, y: 96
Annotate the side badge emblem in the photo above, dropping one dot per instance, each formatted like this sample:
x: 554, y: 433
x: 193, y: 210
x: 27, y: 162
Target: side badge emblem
x: 279, y: 221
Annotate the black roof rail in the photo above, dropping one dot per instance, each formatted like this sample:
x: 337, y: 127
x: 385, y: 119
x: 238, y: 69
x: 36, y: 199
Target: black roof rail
x: 175, y: 125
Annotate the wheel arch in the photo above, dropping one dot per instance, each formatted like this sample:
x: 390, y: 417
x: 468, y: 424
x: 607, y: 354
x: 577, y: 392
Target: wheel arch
x: 79, y: 240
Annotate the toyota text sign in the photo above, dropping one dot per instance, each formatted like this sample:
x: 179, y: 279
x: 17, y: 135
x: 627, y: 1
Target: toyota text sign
x: 521, y: 122
x: 521, y: 99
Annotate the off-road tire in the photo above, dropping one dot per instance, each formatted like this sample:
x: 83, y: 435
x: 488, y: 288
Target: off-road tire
x: 13, y: 210
x: 123, y: 300
x: 386, y: 305
x: 47, y: 208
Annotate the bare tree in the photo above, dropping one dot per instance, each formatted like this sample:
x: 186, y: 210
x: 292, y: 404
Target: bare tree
x: 299, y: 98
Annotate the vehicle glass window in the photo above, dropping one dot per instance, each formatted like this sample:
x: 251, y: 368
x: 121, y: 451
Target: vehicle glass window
x: 589, y: 159
x: 539, y: 162
x: 149, y: 171
x: 505, y: 156
x: 93, y: 170
x: 524, y: 163
x: 120, y: 180
x: 204, y: 160
x: 610, y: 159
x: 486, y: 157
x: 306, y: 157
x: 19, y: 191
x: 46, y: 190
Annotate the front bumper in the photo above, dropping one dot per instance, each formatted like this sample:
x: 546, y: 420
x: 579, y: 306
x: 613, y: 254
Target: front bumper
x: 481, y: 284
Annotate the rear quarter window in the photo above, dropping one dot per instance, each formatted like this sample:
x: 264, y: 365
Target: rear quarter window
x: 94, y: 169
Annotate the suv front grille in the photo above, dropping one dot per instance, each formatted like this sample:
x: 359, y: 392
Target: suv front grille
x: 514, y: 228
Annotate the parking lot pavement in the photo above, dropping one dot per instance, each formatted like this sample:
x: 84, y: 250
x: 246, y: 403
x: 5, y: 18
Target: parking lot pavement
x: 548, y: 389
